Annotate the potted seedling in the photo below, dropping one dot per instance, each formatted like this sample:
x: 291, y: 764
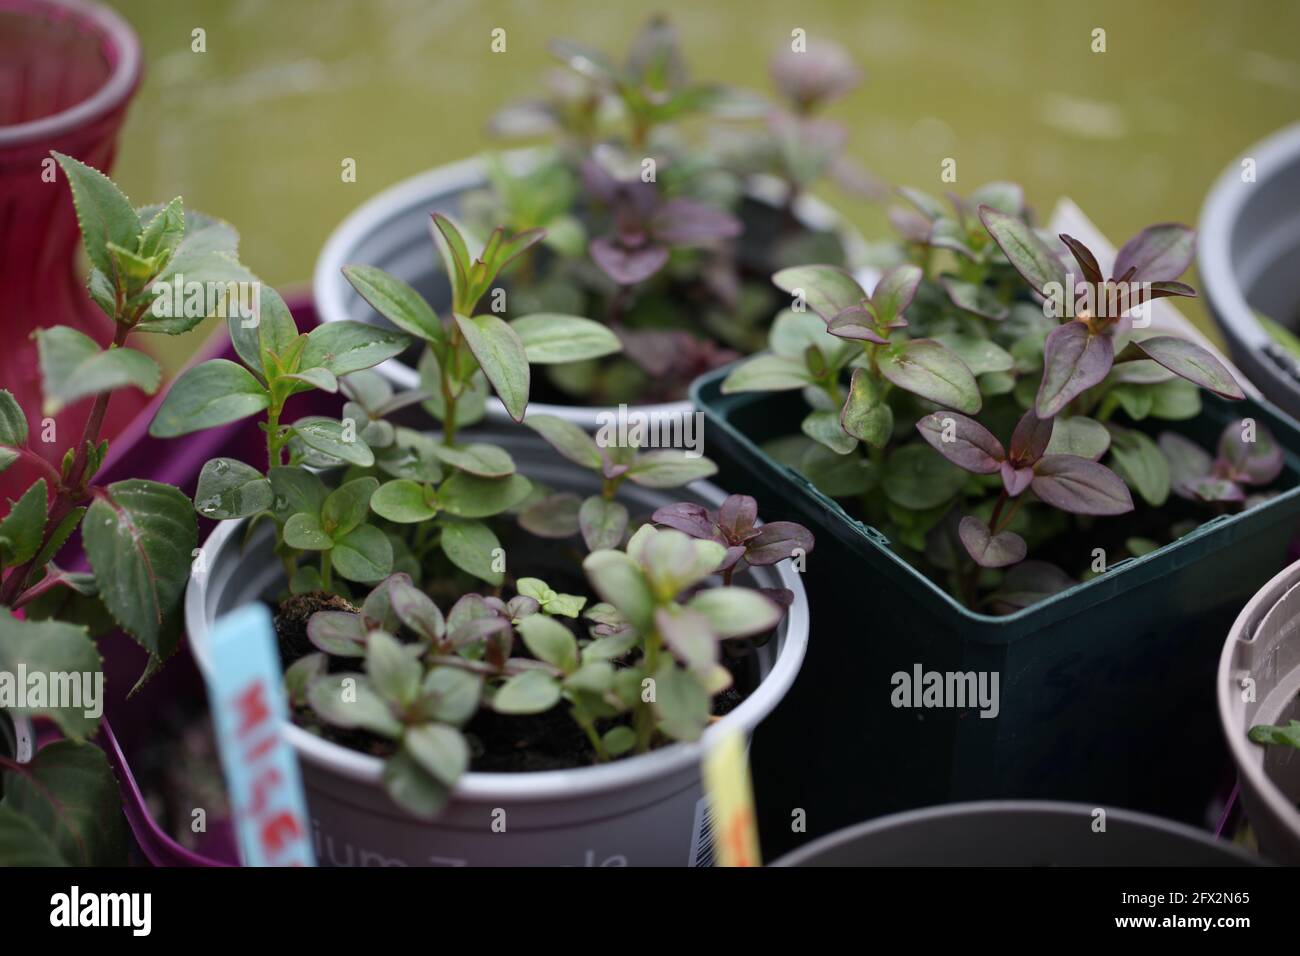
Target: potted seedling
x: 494, y: 649
x: 1001, y: 443
x: 61, y: 802
x: 664, y: 238
x: 1259, y: 709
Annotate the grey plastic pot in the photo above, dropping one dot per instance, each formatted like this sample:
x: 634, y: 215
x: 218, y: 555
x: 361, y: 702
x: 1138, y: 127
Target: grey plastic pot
x: 643, y: 811
x: 1259, y: 683
x: 1249, y: 248
x: 1018, y: 833
x: 391, y: 231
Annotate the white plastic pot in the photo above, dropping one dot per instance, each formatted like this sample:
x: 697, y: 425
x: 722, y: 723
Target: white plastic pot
x: 643, y: 811
x: 1259, y: 683
x: 391, y: 231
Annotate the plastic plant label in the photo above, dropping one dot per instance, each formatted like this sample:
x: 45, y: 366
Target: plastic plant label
x: 249, y: 713
x: 731, y: 801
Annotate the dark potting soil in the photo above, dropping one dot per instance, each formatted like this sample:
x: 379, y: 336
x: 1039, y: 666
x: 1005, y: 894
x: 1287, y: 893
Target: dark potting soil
x: 291, y: 618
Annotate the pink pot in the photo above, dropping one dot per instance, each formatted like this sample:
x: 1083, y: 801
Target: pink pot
x: 67, y: 71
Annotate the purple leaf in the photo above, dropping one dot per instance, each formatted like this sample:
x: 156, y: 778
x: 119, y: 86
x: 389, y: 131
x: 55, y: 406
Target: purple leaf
x: 963, y: 441
x: 864, y: 415
x: 855, y: 323
x: 814, y: 76
x: 340, y: 633
x: 1030, y: 256
x: 990, y: 550
x: 602, y: 523
x: 1161, y: 290
x: 1074, y: 360
x: 688, y: 518
x: 776, y: 541
x: 895, y: 292
x: 1083, y: 255
x: 1192, y: 363
x: 1028, y: 583
x: 1030, y: 439
x: 690, y: 636
x: 1216, y: 489
x: 627, y: 266
x: 1256, y: 462
x: 1080, y: 486
x: 555, y: 516
x: 1016, y: 480
x: 1157, y: 253
x: 736, y: 517
x: 1188, y: 462
x: 909, y: 224
x: 683, y: 222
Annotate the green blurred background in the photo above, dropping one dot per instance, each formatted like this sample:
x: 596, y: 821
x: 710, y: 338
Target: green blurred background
x: 254, y: 130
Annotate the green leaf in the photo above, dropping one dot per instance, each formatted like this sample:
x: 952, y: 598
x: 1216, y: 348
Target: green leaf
x: 304, y: 532
x: 501, y: 354
x: 619, y: 740
x: 486, y: 461
x: 1078, y: 435
x: 412, y: 788
x: 73, y: 366
x: 439, y: 749
x: 13, y: 423
x: 550, y: 641
x: 334, y: 439
x: 767, y: 373
x: 230, y: 489
x: 1175, y: 401
x: 346, y: 346
x: 450, y: 694
x: 619, y: 581
x: 864, y: 416
x: 793, y: 333
x: 1138, y: 460
x: 980, y: 355
x: 403, y: 501
x: 528, y: 692
x: 263, y: 347
x: 347, y: 506
x: 349, y: 700
x: 551, y: 339
x: 103, y: 212
x: 924, y: 367
x: 296, y: 489
x: 68, y: 792
x: 602, y: 522
x: 23, y: 844
x: 669, y: 468
x: 212, y: 283
x: 1288, y: 736
x: 364, y: 554
x: 918, y: 477
x: 681, y: 703
x: 1030, y: 256
x: 469, y: 496
x: 23, y: 529
x: 164, y: 230
x: 397, y: 302
x: 50, y: 647
x: 824, y: 427
x: 568, y: 439
x: 470, y: 545
x: 393, y: 673
x: 214, y: 393
x: 736, y: 612
x: 140, y: 537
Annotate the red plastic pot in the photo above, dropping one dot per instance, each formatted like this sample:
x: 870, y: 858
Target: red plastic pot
x: 68, y: 69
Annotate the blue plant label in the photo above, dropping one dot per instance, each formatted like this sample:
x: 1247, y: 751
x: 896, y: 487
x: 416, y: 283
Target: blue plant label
x: 246, y: 691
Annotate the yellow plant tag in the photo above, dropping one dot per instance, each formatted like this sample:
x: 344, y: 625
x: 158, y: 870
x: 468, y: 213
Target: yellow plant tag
x: 731, y: 801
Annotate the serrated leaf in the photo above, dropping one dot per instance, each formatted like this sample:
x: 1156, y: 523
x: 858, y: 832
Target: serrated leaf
x: 104, y: 214
x: 50, y: 647
x: 13, y: 422
x: 140, y: 537
x: 23, y: 529
x: 73, y: 366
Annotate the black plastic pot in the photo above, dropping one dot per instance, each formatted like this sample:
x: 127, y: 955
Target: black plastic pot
x: 1106, y: 689
x: 1249, y: 260
x: 1019, y: 833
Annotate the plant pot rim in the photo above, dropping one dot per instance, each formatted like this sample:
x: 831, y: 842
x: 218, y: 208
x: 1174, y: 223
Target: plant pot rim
x: 1247, y: 755
x: 979, y: 808
x: 1098, y: 588
x: 395, y: 201
x: 113, y: 94
x: 548, y: 785
x: 1217, y: 226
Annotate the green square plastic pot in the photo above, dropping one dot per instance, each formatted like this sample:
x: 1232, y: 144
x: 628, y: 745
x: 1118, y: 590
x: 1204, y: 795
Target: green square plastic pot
x: 1106, y: 690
